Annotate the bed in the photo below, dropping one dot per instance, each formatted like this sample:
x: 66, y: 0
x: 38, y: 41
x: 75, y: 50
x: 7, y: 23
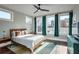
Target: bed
x: 30, y: 41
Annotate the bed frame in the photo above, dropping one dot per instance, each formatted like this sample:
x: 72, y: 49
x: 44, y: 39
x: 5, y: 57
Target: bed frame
x: 21, y: 29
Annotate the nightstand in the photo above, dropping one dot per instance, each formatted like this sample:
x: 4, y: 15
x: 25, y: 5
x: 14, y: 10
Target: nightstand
x: 5, y: 41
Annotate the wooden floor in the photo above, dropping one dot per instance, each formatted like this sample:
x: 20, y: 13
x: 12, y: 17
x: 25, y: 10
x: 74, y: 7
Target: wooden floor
x: 60, y: 44
x: 57, y: 42
x: 5, y: 50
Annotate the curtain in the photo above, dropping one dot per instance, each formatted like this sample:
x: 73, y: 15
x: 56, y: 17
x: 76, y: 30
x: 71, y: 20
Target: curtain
x: 70, y: 22
x: 56, y: 32
x: 35, y: 25
x: 43, y: 25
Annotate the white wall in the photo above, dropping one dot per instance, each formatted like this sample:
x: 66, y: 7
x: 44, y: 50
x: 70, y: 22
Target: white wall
x: 75, y: 16
x: 76, y: 12
x: 19, y: 22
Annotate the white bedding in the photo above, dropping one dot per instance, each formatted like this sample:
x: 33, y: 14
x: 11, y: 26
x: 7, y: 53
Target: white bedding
x: 29, y: 40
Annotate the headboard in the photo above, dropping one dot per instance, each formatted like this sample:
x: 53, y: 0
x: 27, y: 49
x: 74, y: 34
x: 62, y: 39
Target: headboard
x: 18, y: 29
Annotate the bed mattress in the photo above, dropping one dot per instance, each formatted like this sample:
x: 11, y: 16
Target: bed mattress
x: 28, y: 40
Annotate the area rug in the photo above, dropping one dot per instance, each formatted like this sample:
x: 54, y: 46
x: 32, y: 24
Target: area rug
x: 44, y: 48
x: 19, y: 49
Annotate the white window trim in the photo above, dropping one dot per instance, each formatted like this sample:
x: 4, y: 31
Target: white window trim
x: 5, y: 10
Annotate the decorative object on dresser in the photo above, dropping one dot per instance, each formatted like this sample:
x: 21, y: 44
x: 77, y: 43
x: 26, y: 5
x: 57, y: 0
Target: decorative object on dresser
x: 5, y: 41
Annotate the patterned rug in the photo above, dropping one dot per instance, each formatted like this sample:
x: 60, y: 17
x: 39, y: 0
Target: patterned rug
x: 44, y: 48
x: 19, y: 49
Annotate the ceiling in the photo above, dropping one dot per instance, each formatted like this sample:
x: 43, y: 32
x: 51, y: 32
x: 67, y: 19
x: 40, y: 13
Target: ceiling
x: 29, y: 9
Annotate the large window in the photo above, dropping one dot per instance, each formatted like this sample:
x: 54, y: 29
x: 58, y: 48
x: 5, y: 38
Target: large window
x: 63, y: 24
x: 74, y: 25
x: 39, y: 25
x: 50, y: 23
x: 6, y: 15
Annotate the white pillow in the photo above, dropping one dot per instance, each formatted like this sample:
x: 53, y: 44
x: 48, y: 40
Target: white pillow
x: 22, y: 32
x: 13, y: 34
x: 26, y: 32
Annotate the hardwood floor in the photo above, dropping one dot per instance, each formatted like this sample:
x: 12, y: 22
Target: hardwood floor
x: 60, y: 45
x: 58, y: 42
x: 5, y: 50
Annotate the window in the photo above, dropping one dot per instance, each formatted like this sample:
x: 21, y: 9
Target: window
x: 50, y: 23
x: 74, y: 25
x: 6, y: 15
x: 29, y: 22
x: 63, y: 24
x: 39, y: 25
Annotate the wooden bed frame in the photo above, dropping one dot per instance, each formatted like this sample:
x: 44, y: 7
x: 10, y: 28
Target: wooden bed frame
x: 21, y: 29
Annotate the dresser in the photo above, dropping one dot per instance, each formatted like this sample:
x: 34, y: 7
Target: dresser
x: 72, y: 44
x: 5, y: 41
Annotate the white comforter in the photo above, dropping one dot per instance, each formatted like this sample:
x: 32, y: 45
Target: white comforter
x: 28, y: 40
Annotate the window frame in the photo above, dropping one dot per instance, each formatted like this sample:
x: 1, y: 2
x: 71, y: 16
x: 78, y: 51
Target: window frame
x: 52, y: 27
x: 37, y: 25
x: 59, y: 21
x: 74, y: 18
x: 8, y: 11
